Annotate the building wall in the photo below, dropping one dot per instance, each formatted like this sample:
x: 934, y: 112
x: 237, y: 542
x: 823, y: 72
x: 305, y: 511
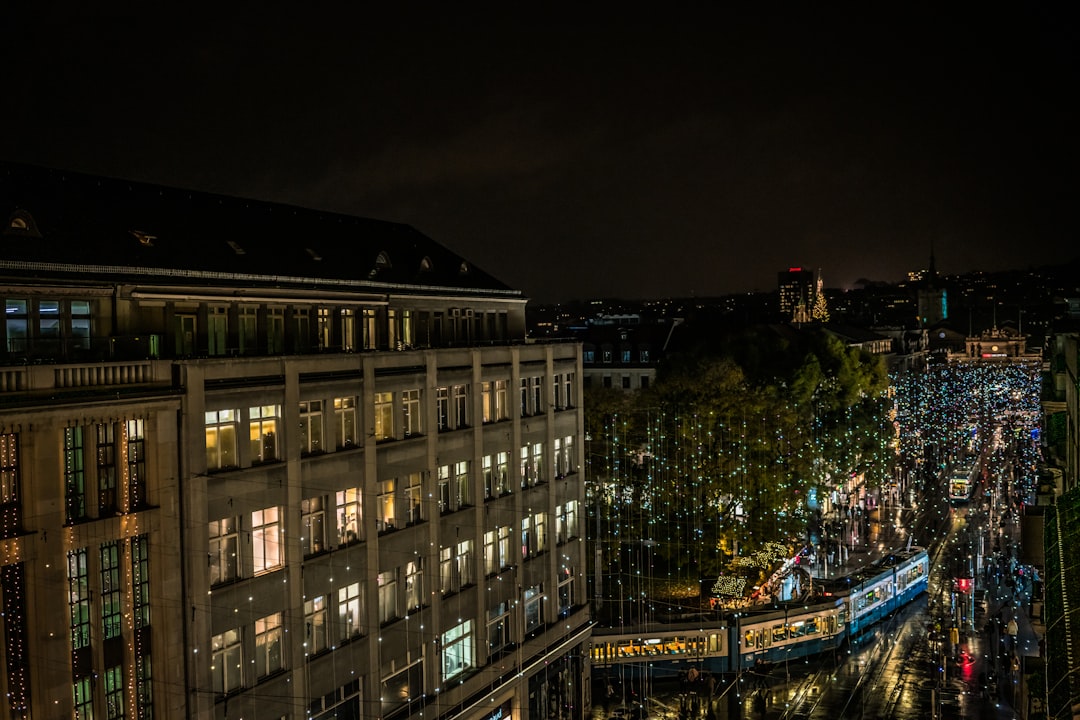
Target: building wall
x: 539, y: 666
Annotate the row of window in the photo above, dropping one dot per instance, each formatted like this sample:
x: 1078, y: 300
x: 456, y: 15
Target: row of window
x: 104, y: 473
x: 58, y: 327
x: 253, y: 544
x: 245, y: 655
x: 94, y: 624
x: 264, y: 422
x: 606, y: 355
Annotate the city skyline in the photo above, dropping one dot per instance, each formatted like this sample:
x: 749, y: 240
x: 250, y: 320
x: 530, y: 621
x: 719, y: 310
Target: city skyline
x: 653, y: 156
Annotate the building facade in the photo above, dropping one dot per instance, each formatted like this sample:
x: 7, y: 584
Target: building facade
x: 267, y: 462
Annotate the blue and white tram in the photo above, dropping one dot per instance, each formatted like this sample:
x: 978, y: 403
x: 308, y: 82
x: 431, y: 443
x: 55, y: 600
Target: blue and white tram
x: 777, y: 634
x: 794, y: 632
x: 884, y: 587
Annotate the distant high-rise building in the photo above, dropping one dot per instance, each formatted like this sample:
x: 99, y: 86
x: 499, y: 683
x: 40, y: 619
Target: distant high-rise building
x: 797, y: 293
x: 933, y: 300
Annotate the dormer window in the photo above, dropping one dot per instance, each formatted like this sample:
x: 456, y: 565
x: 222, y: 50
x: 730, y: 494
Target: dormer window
x: 145, y: 239
x: 382, y: 262
x: 236, y: 247
x: 425, y: 264
x: 464, y: 269
x: 21, y: 223
x: 314, y: 255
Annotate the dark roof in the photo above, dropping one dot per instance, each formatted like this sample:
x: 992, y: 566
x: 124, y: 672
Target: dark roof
x: 108, y: 228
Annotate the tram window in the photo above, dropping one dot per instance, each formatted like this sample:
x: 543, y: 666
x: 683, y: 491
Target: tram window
x: 798, y: 629
x: 813, y: 626
x: 778, y: 633
x: 715, y: 644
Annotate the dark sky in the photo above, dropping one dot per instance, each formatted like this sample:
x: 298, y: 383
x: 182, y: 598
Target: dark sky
x: 673, y: 152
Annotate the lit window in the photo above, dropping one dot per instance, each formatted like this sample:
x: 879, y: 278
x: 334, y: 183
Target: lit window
x: 263, y: 421
x: 227, y: 662
x: 268, y: 651
x: 345, y: 422
x: 267, y: 549
x: 458, y: 651
x: 224, y: 564
x: 221, y: 439
x: 311, y: 427
x: 384, y: 416
x: 350, y: 606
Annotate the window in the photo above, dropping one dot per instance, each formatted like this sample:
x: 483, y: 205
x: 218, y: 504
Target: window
x: 524, y: 397
x: 537, y: 464
x: 392, y: 340
x: 487, y: 402
x: 106, y: 468
x: 565, y: 455
x: 455, y: 567
x: 462, y: 485
x: 348, y: 324
x: 387, y: 519
x: 16, y: 316
x: 498, y: 628
x: 536, y: 389
x: 388, y: 596
x: 410, y: 412
x: 458, y: 652
x: 643, y: 356
x: 566, y: 590
x: 414, y: 583
x: 263, y: 422
x: 140, y: 583
x: 444, y: 489
x: 624, y: 356
x: 248, y: 334
x: 442, y: 409
x: 487, y: 469
x: 345, y: 422
x: 568, y: 389
x: 588, y: 357
x: 301, y: 330
x: 227, y: 661
x: 217, y: 330
x: 74, y: 475
x: 461, y: 406
x: 539, y: 529
x: 626, y: 382
x: 502, y: 473
x: 413, y: 492
x: 322, y: 327
x: 224, y: 562
x: 311, y: 427
x: 491, y: 557
x: 504, y: 547
x: 313, y: 522
x: 572, y: 519
x: 136, y: 463
x: 268, y: 653
x: 607, y: 356
x: 83, y: 693
x: 350, y: 606
x: 502, y: 409
x: 316, y: 629
x: 370, y: 337
x: 384, y: 416
x: 9, y: 483
x: 221, y: 440
x: 267, y: 549
x: 526, y: 472
x: 111, y: 588
x: 534, y: 608
x: 402, y: 682
x: 349, y: 514
x: 79, y: 599
x: 275, y: 331
x: 114, y: 693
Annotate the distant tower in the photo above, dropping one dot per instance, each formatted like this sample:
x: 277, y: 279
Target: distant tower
x: 797, y: 292
x: 933, y: 301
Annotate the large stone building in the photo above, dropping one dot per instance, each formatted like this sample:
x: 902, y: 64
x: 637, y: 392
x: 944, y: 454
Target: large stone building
x: 266, y: 462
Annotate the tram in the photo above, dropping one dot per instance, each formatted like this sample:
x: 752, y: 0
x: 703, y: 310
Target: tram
x: 847, y: 609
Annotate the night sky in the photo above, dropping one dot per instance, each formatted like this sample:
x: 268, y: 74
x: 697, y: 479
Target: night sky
x: 668, y: 153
